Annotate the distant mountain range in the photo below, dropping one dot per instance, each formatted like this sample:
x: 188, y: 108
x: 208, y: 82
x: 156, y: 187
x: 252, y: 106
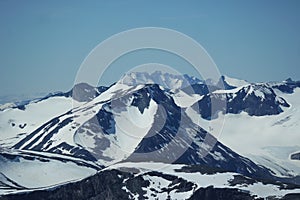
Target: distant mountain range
x: 154, y: 136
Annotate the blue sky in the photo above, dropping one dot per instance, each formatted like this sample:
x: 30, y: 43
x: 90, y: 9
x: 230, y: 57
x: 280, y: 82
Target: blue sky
x: 43, y: 43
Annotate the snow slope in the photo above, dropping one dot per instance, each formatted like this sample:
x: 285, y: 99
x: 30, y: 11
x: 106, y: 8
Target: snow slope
x: 252, y: 135
x: 235, y: 82
x: 15, y: 123
x: 29, y: 172
x: 120, y: 121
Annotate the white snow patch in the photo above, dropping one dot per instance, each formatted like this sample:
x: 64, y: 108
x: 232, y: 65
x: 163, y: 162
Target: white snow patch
x: 34, y: 115
x: 184, y: 100
x: 235, y: 82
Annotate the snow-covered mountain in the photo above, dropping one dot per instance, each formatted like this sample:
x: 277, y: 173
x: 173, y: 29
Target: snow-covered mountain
x: 263, y: 117
x: 105, y: 130
x: 157, y: 118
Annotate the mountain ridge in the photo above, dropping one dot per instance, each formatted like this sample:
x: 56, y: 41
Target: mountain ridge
x: 144, y: 122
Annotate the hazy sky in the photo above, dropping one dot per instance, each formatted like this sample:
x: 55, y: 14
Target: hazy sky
x: 43, y: 43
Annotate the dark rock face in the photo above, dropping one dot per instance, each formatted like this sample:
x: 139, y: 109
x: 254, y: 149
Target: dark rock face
x: 239, y: 180
x: 288, y: 86
x: 221, y: 194
x: 203, y: 169
x: 106, y: 120
x: 141, y: 99
x: 291, y: 197
x: 295, y: 156
x: 257, y: 100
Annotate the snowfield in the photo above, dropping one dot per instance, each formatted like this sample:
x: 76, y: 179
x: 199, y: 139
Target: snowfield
x: 253, y: 136
x: 15, y: 123
x: 25, y: 173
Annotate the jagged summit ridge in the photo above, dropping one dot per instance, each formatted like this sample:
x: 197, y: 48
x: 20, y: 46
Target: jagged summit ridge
x: 133, y: 122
